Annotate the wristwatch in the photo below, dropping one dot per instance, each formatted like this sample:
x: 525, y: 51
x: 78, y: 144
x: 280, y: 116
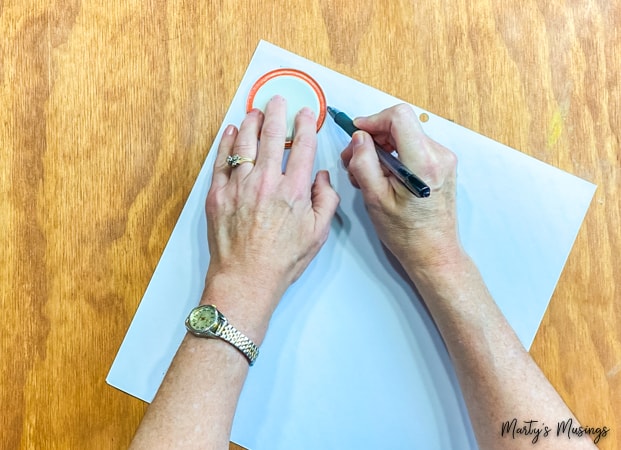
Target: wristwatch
x: 206, y: 321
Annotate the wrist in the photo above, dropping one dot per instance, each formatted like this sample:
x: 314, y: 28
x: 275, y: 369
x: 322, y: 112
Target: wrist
x: 247, y: 304
x: 436, y: 261
x: 448, y: 288
x: 442, y: 272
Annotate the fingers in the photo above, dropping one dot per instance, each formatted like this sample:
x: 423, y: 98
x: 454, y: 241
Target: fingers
x: 273, y: 136
x: 387, y: 120
x: 221, y: 169
x: 271, y: 126
x: 262, y: 137
x: 246, y: 141
x: 398, y: 128
x: 325, y: 200
x: 363, y: 165
x: 302, y: 156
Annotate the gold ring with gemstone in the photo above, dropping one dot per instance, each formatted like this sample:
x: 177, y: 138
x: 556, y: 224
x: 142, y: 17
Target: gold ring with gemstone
x: 235, y: 160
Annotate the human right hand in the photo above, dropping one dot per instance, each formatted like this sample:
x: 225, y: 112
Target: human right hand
x: 420, y: 232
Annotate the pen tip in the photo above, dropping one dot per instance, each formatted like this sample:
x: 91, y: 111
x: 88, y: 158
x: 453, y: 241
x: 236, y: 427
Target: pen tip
x: 332, y: 111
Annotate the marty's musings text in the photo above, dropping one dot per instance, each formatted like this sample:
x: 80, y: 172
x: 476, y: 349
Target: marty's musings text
x: 536, y: 430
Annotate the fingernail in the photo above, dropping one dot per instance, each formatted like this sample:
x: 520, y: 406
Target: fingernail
x: 357, y: 139
x: 306, y: 111
x: 229, y: 130
x: 278, y: 98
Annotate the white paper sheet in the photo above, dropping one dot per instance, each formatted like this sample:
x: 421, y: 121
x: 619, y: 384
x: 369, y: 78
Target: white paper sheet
x: 352, y: 358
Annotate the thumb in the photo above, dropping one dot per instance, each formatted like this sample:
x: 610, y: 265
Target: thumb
x: 365, y: 167
x: 324, y: 199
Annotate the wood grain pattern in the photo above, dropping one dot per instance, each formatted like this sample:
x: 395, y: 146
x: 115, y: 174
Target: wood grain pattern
x: 107, y: 111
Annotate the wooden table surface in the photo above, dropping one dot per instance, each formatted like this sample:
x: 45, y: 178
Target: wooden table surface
x: 108, y: 109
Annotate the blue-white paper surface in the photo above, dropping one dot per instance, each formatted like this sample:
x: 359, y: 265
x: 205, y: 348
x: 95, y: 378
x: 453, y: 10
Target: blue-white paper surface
x: 351, y: 358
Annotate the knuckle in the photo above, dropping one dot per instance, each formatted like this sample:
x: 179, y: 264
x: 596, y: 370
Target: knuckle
x: 214, y: 201
x: 273, y: 131
x: 265, y: 188
x: 354, y: 165
x: 451, y: 159
x: 245, y: 148
x: 304, y: 141
x: 447, y: 157
x: 405, y: 111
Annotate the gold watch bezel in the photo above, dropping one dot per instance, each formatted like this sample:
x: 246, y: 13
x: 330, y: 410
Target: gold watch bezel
x: 203, y: 312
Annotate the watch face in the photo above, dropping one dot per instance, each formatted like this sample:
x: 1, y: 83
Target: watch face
x: 203, y: 318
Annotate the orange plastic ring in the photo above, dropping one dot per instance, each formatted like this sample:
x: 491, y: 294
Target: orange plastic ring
x: 298, y: 74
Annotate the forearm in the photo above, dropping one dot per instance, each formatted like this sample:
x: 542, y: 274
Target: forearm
x: 499, y: 379
x: 196, y: 402
x: 183, y: 416
x: 265, y: 223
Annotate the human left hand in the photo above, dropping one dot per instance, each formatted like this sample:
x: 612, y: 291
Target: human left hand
x: 266, y: 225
